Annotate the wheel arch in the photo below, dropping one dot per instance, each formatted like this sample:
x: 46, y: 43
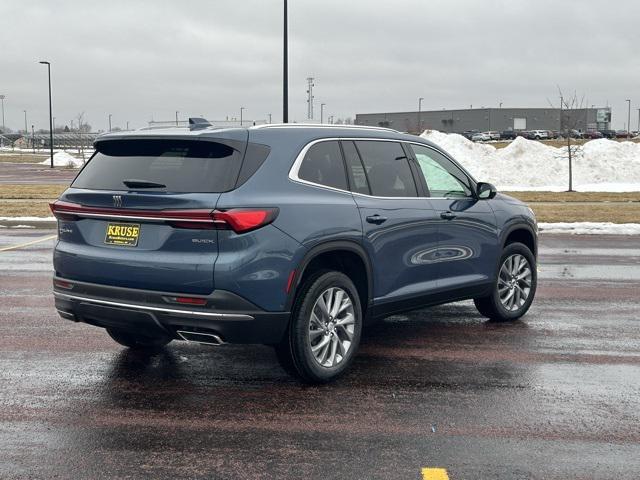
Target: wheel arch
x: 341, y: 251
x: 523, y: 233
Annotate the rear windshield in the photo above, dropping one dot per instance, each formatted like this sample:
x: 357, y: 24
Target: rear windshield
x: 182, y: 166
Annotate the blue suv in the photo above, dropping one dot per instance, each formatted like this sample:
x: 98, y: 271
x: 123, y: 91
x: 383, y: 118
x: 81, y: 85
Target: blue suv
x: 295, y: 236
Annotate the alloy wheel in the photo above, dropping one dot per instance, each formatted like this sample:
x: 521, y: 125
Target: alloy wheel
x: 331, y: 327
x: 514, y: 282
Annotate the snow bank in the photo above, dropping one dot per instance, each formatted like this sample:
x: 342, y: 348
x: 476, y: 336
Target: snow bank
x: 602, y: 165
x: 27, y: 219
x: 591, y: 228
x: 63, y: 159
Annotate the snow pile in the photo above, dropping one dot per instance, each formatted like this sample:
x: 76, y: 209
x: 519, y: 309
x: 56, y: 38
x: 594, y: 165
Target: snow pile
x: 63, y: 159
x: 27, y: 219
x: 602, y: 165
x: 591, y: 228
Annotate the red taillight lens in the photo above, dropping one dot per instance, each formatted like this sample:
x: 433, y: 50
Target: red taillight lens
x: 57, y: 207
x: 191, y: 301
x: 242, y: 220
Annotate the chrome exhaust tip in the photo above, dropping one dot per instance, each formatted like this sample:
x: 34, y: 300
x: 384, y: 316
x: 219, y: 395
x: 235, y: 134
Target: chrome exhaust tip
x: 200, y: 337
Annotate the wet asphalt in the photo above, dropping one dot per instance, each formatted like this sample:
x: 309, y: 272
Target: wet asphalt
x: 555, y: 396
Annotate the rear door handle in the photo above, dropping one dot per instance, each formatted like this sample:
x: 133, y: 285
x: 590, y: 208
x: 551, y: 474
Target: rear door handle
x: 377, y: 219
x: 447, y: 215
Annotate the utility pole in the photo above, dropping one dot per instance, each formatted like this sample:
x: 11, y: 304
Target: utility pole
x: 50, y: 111
x: 420, y: 115
x: 2, y: 97
x: 26, y: 132
x: 176, y: 119
x: 639, y: 121
x: 310, y: 86
x: 109, y: 122
x: 241, y: 110
x: 269, y: 118
x: 322, y: 105
x: 33, y: 139
x: 629, y: 120
x: 285, y: 69
x: 127, y: 125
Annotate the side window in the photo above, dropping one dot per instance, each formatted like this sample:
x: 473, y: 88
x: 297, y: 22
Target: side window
x: 387, y: 169
x: 444, y: 178
x: 323, y: 165
x: 355, y: 168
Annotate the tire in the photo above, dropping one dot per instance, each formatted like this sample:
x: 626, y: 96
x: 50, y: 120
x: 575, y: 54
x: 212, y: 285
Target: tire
x: 505, y: 303
x: 320, y: 345
x: 138, y: 342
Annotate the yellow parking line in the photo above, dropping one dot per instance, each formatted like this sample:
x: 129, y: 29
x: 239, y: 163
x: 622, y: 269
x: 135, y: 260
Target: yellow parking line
x: 434, y: 474
x: 14, y: 247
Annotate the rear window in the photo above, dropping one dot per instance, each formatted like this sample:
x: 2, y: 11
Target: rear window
x: 182, y: 166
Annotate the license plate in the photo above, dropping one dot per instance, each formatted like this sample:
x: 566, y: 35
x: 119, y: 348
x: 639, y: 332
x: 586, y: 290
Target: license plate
x: 124, y: 234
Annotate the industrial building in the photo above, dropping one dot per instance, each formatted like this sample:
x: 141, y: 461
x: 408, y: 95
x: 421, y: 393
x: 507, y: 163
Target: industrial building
x: 491, y: 119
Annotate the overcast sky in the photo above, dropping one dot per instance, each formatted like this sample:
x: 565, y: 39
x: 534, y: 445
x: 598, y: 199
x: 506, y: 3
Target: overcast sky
x: 143, y: 60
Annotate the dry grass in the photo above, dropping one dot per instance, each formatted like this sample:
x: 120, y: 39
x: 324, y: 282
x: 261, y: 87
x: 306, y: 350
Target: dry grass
x: 575, y: 196
x: 31, y: 191
x: 604, y: 212
x: 22, y: 157
x: 25, y: 209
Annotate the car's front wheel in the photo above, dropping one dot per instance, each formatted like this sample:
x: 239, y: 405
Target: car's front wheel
x: 136, y: 341
x: 325, y: 328
x: 515, y: 285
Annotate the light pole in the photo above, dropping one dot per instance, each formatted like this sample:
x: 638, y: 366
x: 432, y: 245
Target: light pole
x: 322, y: 112
x: 127, y: 125
x: 176, y: 118
x: 639, y: 121
x: 2, y: 97
x: 109, y: 122
x: 269, y: 118
x: 420, y: 114
x: 629, y: 120
x: 285, y: 69
x: 43, y: 62
x: 33, y: 139
x: 26, y: 131
x: 241, y: 110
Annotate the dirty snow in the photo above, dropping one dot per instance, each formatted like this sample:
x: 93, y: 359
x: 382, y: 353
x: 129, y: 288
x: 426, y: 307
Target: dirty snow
x: 591, y: 228
x: 63, y: 159
x: 602, y: 165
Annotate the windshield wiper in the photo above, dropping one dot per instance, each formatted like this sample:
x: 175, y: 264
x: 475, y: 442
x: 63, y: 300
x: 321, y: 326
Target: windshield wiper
x: 134, y: 183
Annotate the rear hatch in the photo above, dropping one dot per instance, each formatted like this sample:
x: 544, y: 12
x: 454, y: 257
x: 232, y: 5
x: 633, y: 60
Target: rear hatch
x: 139, y: 214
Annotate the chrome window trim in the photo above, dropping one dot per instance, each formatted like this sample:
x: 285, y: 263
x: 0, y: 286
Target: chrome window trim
x: 295, y: 168
x: 223, y: 316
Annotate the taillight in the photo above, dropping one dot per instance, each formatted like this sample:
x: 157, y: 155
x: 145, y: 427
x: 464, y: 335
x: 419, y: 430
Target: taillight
x: 242, y: 220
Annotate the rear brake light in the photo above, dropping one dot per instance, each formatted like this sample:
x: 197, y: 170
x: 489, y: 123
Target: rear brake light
x: 63, y: 284
x: 191, y: 300
x: 242, y: 220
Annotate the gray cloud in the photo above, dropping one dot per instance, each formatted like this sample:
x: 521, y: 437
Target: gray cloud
x: 146, y: 59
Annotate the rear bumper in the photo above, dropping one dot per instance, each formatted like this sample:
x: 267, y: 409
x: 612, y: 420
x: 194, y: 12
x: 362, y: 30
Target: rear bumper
x: 229, y: 316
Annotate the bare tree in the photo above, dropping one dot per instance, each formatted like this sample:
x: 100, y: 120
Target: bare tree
x: 572, y: 111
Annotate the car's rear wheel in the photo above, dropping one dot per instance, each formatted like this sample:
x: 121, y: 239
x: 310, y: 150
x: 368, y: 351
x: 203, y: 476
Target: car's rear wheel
x: 324, y: 332
x: 515, y: 285
x: 136, y: 341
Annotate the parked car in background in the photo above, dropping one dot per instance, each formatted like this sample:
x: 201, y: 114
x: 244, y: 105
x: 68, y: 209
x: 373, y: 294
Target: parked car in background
x: 553, y: 134
x: 622, y: 134
x: 539, y: 134
x: 508, y: 135
x: 524, y: 133
x: 493, y: 135
x: 199, y: 235
x: 608, y: 133
x: 469, y: 134
x: 576, y: 134
x: 481, y: 137
x: 592, y: 135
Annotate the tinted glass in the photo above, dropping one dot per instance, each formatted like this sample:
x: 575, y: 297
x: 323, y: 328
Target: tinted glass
x: 355, y: 168
x: 443, y: 177
x: 323, y: 165
x: 183, y: 166
x: 387, y: 169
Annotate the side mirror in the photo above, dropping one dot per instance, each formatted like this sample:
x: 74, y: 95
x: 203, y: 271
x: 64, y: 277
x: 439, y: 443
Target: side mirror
x: 485, y: 191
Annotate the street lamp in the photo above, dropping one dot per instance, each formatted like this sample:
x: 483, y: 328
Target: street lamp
x: 241, y: 110
x: 322, y: 112
x: 269, y: 118
x: 629, y: 120
x: 420, y: 114
x: 285, y: 69
x: 109, y: 122
x: 43, y: 62
x: 25, y: 123
x: 2, y: 97
x: 176, y: 118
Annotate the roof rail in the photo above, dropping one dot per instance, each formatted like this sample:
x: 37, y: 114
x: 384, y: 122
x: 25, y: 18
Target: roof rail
x: 321, y: 125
